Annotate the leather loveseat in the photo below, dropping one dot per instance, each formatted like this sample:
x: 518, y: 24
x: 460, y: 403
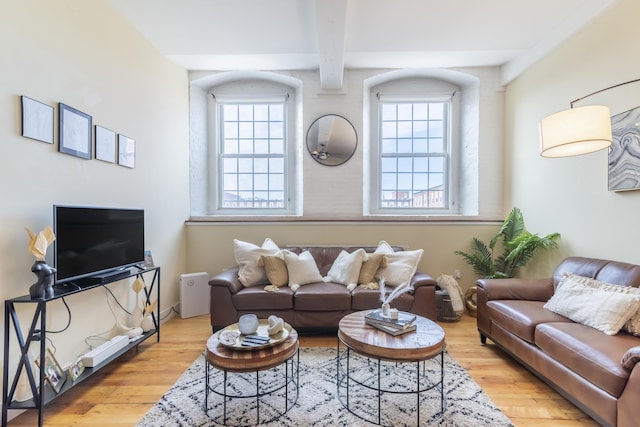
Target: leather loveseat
x: 312, y: 306
x: 594, y: 370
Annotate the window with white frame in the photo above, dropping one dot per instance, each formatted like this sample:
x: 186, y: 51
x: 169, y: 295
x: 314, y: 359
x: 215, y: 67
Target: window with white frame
x: 252, y: 172
x: 412, y: 162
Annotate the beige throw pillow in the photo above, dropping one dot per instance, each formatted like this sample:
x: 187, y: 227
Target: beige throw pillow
x: 593, y: 303
x: 276, y: 270
x: 370, y: 266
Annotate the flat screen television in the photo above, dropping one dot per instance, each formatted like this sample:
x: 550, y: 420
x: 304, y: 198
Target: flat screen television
x: 94, y: 242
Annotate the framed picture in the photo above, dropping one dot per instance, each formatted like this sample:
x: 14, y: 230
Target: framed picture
x: 105, y: 144
x: 126, y: 151
x: 624, y: 163
x: 75, y: 132
x: 148, y: 260
x: 37, y: 120
x: 53, y: 373
x: 76, y: 369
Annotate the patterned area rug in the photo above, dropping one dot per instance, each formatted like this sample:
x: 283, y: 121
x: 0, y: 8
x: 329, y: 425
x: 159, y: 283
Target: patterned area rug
x: 317, y: 402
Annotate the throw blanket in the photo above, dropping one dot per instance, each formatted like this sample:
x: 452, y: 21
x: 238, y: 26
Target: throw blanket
x: 449, y: 284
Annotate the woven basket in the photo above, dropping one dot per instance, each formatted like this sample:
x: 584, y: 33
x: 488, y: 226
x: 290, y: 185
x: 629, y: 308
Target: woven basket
x: 445, y: 308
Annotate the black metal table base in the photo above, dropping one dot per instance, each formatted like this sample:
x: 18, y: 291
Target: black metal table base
x: 291, y: 368
x: 367, y: 376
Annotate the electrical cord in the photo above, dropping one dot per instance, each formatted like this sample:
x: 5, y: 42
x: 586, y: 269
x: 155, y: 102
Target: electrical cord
x: 68, y: 320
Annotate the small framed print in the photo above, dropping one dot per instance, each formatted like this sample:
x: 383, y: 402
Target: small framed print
x: 148, y: 259
x: 75, y: 132
x: 37, y: 120
x: 105, y: 144
x: 126, y: 151
x: 53, y: 373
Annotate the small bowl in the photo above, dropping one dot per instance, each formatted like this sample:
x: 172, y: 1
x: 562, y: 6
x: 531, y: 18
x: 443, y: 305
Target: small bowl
x: 248, y: 324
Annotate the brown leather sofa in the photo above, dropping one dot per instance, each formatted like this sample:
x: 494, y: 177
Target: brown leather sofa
x: 315, y: 305
x: 595, y: 371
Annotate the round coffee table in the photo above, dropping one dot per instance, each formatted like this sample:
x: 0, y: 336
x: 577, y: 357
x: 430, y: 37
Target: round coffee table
x: 426, y: 342
x: 229, y: 360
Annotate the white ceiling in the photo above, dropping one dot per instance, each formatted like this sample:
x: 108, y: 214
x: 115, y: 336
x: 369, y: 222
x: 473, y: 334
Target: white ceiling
x: 331, y: 35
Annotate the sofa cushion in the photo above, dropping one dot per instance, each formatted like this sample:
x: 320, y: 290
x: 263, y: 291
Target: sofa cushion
x: 520, y: 317
x: 276, y: 269
x: 401, y: 266
x: 593, y: 303
x: 366, y: 299
x: 346, y: 268
x: 370, y: 266
x: 247, y: 256
x: 254, y: 298
x: 587, y: 352
x: 322, y: 297
x: 302, y: 269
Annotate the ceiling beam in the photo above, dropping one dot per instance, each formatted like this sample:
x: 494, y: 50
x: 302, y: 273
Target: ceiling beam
x: 331, y: 25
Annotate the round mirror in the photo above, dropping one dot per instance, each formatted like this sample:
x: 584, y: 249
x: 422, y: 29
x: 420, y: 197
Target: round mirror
x: 331, y: 140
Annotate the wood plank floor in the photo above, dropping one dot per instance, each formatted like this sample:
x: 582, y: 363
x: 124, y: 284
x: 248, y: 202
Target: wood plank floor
x: 120, y: 394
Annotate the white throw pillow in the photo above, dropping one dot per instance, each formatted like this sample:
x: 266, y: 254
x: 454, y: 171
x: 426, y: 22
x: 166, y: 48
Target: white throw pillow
x: 346, y: 267
x: 302, y: 269
x: 401, y: 266
x: 248, y: 256
x: 593, y: 303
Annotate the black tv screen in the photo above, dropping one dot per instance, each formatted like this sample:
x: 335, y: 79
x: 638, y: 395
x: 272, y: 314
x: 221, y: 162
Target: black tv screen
x: 91, y: 241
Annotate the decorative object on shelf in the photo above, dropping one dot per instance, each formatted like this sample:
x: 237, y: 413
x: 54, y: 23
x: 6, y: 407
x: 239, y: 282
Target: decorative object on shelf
x: 38, y: 244
x: 331, y: 140
x: 276, y: 324
x: 148, y: 259
x: 577, y: 130
x: 37, y: 120
x: 624, y: 162
x: 53, y: 373
x: 75, y: 132
x: 248, y: 324
x: 137, y: 313
x: 147, y: 318
x: 105, y: 144
x: 126, y: 151
x: 395, y: 293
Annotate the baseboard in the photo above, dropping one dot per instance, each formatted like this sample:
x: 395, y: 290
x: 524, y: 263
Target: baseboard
x: 170, y: 312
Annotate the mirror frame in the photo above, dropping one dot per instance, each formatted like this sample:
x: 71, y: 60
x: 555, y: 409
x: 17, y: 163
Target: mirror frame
x: 314, y: 144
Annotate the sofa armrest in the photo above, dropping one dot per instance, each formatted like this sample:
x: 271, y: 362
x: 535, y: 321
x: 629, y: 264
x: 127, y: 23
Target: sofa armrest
x: 227, y: 278
x: 516, y: 289
x: 422, y: 279
x: 630, y: 358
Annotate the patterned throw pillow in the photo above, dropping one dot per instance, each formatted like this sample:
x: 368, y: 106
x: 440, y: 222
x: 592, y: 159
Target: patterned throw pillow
x: 370, y: 266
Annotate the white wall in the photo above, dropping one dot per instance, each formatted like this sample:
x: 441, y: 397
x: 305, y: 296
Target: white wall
x: 570, y: 195
x: 87, y: 56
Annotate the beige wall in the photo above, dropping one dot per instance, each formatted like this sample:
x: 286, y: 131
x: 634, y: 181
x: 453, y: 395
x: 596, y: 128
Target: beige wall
x: 211, y: 245
x: 570, y: 195
x: 87, y: 56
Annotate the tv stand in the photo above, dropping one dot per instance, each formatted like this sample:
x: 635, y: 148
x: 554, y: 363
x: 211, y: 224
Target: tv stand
x: 37, y: 332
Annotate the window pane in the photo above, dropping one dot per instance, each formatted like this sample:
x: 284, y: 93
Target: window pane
x: 405, y: 111
x: 389, y: 112
x: 436, y: 111
x: 245, y: 130
x: 389, y: 146
x: 246, y: 146
x: 420, y: 129
x: 389, y: 130
x: 261, y: 146
x: 389, y: 164
x: 276, y: 146
x: 230, y: 165
x: 245, y: 165
x: 230, y: 130
x: 275, y: 130
x: 261, y: 182
x: 435, y: 129
x: 245, y: 112
x: 420, y: 146
x: 261, y: 112
x: 276, y: 112
x: 436, y: 145
x: 230, y: 146
x: 276, y: 165
x: 230, y: 112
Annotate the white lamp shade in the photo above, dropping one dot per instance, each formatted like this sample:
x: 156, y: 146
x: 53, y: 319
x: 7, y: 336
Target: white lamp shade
x: 576, y: 131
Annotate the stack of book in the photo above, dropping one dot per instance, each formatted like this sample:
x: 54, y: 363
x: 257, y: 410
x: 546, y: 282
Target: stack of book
x: 403, y: 324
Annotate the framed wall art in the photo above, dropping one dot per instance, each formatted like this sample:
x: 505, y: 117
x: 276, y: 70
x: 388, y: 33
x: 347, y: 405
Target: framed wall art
x: 105, y: 144
x: 624, y: 153
x: 126, y: 151
x: 75, y: 132
x: 37, y: 120
x: 53, y: 372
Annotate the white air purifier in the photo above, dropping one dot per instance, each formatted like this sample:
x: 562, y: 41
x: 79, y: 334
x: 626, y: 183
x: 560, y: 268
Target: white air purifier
x: 194, y: 294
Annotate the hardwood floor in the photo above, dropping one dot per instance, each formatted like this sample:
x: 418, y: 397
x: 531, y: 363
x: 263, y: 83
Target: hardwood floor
x: 120, y: 394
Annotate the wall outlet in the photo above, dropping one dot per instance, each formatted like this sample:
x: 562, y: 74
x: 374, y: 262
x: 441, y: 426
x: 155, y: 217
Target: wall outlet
x: 457, y: 274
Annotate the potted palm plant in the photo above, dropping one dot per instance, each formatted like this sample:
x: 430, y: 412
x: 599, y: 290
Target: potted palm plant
x: 511, y: 248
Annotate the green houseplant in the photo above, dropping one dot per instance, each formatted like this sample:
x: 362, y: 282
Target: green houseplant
x: 517, y: 247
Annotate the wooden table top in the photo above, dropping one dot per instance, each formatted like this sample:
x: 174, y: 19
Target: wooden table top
x: 225, y: 358
x: 426, y: 342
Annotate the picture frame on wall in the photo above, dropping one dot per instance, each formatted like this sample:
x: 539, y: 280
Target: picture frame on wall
x: 53, y: 372
x: 105, y: 144
x: 126, y: 151
x: 623, y: 160
x: 37, y: 120
x: 75, y: 132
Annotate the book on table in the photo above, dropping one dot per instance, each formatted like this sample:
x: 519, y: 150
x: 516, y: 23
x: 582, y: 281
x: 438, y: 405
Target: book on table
x: 390, y: 328
x: 404, y: 319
